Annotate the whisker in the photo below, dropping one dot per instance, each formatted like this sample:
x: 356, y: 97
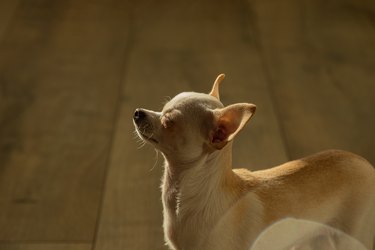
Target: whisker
x: 156, y: 160
x: 166, y: 99
x: 142, y: 144
x: 139, y: 140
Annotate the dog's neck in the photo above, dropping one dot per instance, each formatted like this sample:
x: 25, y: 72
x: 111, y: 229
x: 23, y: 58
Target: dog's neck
x: 203, y: 188
x: 201, y: 181
x: 214, y: 163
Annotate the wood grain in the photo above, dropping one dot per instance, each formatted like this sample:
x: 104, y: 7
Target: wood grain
x: 7, y: 9
x: 46, y: 246
x: 321, y: 72
x: 60, y: 70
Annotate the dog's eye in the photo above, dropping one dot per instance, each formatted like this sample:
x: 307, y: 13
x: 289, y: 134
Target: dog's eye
x: 167, y: 121
x: 170, y: 118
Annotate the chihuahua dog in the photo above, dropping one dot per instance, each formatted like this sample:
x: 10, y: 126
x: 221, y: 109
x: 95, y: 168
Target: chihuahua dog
x: 209, y: 205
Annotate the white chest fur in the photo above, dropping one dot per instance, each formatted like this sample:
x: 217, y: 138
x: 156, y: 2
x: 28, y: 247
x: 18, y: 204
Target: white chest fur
x: 198, y: 212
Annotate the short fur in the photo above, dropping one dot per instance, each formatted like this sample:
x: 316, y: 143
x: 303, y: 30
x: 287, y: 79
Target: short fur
x: 209, y: 205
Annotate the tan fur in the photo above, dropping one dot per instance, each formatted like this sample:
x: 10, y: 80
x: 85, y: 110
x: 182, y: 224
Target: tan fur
x: 209, y: 205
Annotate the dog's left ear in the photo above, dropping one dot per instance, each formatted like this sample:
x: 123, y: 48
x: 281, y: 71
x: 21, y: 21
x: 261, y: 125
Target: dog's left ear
x: 215, y: 88
x: 229, y: 121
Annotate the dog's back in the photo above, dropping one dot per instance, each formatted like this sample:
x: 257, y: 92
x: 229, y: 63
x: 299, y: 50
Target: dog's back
x: 333, y: 187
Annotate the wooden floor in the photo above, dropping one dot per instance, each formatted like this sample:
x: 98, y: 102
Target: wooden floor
x: 72, y: 72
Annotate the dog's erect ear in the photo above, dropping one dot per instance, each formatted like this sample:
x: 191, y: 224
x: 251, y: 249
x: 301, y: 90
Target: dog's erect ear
x: 229, y: 121
x: 215, y: 88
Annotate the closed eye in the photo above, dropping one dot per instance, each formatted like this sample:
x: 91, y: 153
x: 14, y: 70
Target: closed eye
x: 166, y: 121
x: 169, y: 118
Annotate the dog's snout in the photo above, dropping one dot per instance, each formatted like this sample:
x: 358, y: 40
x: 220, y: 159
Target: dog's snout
x: 139, y: 115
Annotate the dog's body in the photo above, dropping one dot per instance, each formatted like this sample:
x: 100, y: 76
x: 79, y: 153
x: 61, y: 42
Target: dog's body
x: 208, y: 205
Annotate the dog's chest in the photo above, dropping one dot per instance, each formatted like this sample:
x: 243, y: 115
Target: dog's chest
x: 185, y: 222
x: 187, y: 230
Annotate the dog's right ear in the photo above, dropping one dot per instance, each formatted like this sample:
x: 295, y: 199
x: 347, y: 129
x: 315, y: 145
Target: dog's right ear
x: 228, y: 122
x: 215, y: 88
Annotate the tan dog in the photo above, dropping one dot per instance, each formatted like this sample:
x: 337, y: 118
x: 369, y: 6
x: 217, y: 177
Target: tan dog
x: 209, y: 205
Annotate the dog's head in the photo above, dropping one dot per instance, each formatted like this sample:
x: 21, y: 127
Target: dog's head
x: 192, y: 124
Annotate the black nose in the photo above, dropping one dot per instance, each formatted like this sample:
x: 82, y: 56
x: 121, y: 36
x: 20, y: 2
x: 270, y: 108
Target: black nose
x: 139, y: 115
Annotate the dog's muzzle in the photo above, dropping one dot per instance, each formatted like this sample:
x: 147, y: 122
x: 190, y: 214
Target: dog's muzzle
x: 143, y: 125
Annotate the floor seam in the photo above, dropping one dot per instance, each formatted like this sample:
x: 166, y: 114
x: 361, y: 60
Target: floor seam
x: 268, y: 78
x: 126, y: 56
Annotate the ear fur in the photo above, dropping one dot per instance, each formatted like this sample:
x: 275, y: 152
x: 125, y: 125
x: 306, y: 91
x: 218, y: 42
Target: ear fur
x: 215, y: 88
x: 229, y: 121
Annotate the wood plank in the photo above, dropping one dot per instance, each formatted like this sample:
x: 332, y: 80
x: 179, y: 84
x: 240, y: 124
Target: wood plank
x: 44, y: 246
x: 7, y: 10
x: 167, y: 57
x: 61, y: 66
x: 321, y: 56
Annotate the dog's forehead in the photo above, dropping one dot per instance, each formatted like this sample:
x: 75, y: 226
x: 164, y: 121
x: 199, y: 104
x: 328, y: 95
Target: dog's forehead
x: 192, y: 100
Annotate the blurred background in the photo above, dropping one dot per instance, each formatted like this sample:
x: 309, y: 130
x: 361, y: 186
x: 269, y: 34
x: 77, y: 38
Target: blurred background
x: 72, y: 72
